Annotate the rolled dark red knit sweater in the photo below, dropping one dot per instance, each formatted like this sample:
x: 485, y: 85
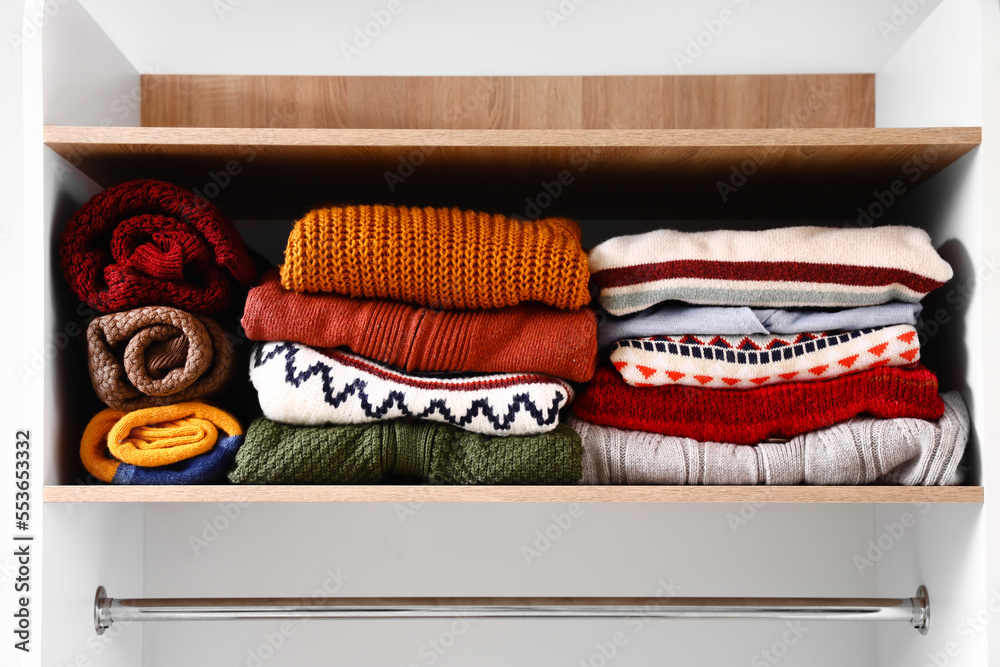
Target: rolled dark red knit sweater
x: 151, y: 243
x: 750, y: 416
x: 529, y: 337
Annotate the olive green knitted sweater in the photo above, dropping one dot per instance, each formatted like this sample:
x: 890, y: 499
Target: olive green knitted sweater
x: 386, y: 451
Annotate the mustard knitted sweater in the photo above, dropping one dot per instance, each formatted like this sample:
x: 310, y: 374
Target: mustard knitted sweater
x: 440, y: 258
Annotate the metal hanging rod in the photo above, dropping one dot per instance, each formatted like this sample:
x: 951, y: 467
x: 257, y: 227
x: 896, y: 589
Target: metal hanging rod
x: 915, y: 610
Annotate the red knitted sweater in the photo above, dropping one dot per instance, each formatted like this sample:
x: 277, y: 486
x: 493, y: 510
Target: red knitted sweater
x: 749, y: 416
x: 150, y: 243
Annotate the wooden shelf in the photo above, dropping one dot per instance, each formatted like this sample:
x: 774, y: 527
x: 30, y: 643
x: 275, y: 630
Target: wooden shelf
x: 279, y: 174
x: 504, y: 494
x: 659, y: 173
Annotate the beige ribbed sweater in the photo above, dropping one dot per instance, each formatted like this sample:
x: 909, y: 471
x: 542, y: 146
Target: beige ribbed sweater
x: 910, y: 452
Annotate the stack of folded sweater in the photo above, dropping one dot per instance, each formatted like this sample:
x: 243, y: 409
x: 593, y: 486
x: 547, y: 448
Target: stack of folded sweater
x: 157, y: 260
x: 420, y: 343
x: 727, y: 338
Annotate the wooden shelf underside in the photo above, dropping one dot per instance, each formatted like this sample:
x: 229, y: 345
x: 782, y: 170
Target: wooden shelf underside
x: 504, y: 494
x: 825, y: 172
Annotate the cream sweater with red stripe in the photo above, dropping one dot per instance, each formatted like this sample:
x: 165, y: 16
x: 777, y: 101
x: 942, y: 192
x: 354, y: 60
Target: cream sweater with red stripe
x: 774, y: 268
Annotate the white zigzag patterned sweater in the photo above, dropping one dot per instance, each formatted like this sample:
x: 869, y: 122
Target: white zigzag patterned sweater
x: 297, y: 384
x: 745, y: 362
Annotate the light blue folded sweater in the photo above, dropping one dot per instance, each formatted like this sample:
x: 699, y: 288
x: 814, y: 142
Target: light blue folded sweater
x: 741, y: 320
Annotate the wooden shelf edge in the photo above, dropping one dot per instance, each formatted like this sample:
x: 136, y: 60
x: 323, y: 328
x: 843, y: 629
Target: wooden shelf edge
x: 181, y: 136
x: 504, y: 494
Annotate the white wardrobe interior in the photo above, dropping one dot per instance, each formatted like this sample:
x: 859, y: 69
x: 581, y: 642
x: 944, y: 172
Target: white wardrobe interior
x: 928, y: 73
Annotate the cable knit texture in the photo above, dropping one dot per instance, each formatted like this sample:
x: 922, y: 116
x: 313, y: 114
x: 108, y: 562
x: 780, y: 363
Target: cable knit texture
x: 441, y: 258
x: 150, y: 243
x: 299, y: 385
x: 747, y: 417
x: 399, y: 450
x: 529, y: 337
x: 155, y: 356
x: 745, y: 362
x: 910, y: 452
x: 172, y: 444
x: 788, y: 267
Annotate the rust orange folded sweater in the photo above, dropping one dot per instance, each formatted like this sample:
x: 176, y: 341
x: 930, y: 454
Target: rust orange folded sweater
x: 526, y: 338
x: 437, y: 257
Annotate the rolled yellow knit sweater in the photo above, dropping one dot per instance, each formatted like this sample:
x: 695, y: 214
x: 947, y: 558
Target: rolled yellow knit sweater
x: 440, y: 258
x: 152, y: 437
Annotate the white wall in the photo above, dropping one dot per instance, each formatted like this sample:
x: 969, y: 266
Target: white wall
x: 990, y: 155
x: 935, y: 79
x: 223, y: 550
x: 87, y: 545
x: 929, y: 81
x: 508, y: 36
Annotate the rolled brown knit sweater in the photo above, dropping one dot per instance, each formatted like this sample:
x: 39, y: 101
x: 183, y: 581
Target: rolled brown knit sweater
x: 156, y: 356
x: 529, y: 337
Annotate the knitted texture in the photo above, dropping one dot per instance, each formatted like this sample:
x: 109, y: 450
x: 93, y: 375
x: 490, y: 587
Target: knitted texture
x: 910, y: 452
x: 150, y: 243
x: 173, y: 444
x: 526, y: 338
x: 299, y: 385
x: 794, y: 266
x: 399, y: 450
x: 744, y: 362
x: 664, y: 320
x: 155, y: 356
x: 747, y: 417
x: 441, y: 258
